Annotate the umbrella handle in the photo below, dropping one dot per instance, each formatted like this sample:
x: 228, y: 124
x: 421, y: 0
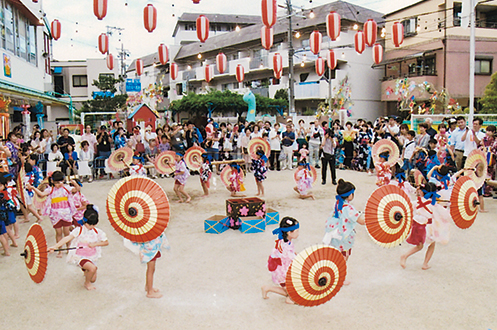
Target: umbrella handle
x: 67, y: 249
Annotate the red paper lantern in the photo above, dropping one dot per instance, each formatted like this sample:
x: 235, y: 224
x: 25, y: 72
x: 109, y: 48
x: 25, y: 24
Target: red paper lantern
x: 103, y: 43
x: 269, y: 10
x: 196, y: 2
x: 221, y: 63
x: 209, y: 73
x: 173, y: 71
x: 35, y: 1
x: 332, y: 59
x: 202, y: 28
x: 277, y: 65
x: 100, y: 8
x: 163, y: 54
x: 267, y: 37
x: 240, y: 73
x: 377, y: 53
x: 56, y: 29
x: 333, y: 25
x: 139, y: 66
x: 110, y: 62
x: 397, y: 34
x: 370, y: 32
x: 150, y: 17
x: 320, y: 66
x: 315, y: 42
x: 359, y: 42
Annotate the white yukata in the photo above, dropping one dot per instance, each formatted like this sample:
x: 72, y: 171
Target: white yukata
x: 82, y: 238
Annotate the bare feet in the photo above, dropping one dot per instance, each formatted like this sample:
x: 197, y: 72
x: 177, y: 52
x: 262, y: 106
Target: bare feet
x: 483, y: 211
x: 289, y: 301
x: 346, y: 283
x: 89, y: 287
x: 13, y: 244
x: 425, y: 267
x: 188, y: 200
x: 264, y: 292
x: 25, y: 221
x: 59, y: 255
x: 313, y: 198
x: 6, y: 254
x: 179, y: 201
x: 154, y: 294
x: 403, y: 260
x: 17, y: 236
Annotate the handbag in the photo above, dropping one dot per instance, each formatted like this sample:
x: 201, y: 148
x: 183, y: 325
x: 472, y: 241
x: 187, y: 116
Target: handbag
x: 282, y: 156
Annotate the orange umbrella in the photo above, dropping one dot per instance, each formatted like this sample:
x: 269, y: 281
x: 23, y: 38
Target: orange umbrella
x: 138, y: 209
x: 316, y: 275
x: 388, y: 216
x: 313, y: 173
x: 21, y: 186
x: 464, y: 203
x: 226, y: 173
x: 477, y: 160
x: 35, y: 253
x: 120, y: 159
x: 193, y: 158
x: 256, y: 144
x: 386, y: 145
x: 165, y: 162
x: 419, y: 178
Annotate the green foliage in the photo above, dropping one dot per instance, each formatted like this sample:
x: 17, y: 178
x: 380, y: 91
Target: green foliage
x: 281, y: 94
x: 224, y: 102
x: 489, y: 99
x: 105, y: 103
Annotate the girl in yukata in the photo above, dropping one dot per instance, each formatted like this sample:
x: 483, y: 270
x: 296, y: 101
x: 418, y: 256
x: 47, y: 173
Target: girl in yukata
x: 181, y: 174
x: 236, y: 181
x: 259, y: 168
x: 281, y: 257
x: 340, y: 226
x: 304, y: 184
x: 205, y: 174
x: 80, y: 202
x: 86, y: 242
x: 430, y: 225
x: 383, y: 171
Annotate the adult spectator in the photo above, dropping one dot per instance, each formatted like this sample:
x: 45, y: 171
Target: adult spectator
x: 472, y: 138
x: 88, y: 136
x: 328, y: 158
x: 177, y: 139
x: 257, y: 133
x: 430, y: 131
x: 151, y: 151
x: 423, y: 138
x: 301, y: 134
x: 149, y: 135
x: 349, y: 135
x: 288, y: 138
x: 315, y: 135
x: 275, y: 144
x: 456, y: 142
x: 119, y: 139
x: 86, y: 156
x: 45, y: 143
x: 392, y: 128
x: 267, y: 127
x: 64, y: 140
x: 35, y: 143
x: 104, y: 141
x: 191, y: 136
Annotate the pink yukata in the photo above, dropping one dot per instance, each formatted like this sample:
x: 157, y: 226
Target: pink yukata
x: 431, y: 223
x: 305, y: 181
x: 236, y: 181
x: 82, y: 238
x: 181, y: 167
x: 280, y: 259
x: 79, y: 199
x: 384, y: 174
x: 59, y: 205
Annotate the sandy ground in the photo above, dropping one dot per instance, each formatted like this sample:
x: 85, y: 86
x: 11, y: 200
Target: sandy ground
x: 213, y: 281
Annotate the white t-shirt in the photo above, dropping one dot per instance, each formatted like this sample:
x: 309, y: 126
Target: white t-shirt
x: 274, y: 142
x: 254, y: 135
x: 315, y: 140
x: 470, y: 144
x: 409, y: 147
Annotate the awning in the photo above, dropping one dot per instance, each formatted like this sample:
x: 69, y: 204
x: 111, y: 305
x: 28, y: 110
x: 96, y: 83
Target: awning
x: 405, y: 58
x: 17, y: 91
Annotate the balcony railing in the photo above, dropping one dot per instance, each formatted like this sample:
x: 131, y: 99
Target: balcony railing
x: 189, y: 75
x: 262, y: 91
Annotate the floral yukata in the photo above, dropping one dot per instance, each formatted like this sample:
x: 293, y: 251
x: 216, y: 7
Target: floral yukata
x: 280, y: 259
x: 59, y: 205
x: 384, y: 174
x: 342, y: 229
x: 431, y: 224
x: 181, y: 167
x: 259, y: 168
x: 305, y: 180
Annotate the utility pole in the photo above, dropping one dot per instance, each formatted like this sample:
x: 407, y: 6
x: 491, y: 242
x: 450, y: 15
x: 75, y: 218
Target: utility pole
x: 122, y: 55
x: 291, y: 53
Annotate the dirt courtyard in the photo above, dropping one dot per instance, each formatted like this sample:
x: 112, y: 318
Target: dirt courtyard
x: 213, y: 281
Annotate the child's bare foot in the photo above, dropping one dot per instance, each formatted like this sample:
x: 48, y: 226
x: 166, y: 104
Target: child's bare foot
x: 403, y: 260
x: 59, y: 255
x: 425, y: 267
x: 14, y: 244
x: 264, y: 292
x: 17, y: 236
x: 188, y: 200
x: 39, y: 221
x: 313, y: 198
x: 179, y: 201
x: 153, y: 294
x: 289, y: 301
x: 89, y: 287
x: 6, y: 254
x: 483, y: 211
x: 25, y: 220
x: 257, y: 194
x: 346, y: 282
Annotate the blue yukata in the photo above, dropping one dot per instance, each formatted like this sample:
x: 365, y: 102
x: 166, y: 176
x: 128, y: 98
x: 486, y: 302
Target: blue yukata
x: 342, y: 229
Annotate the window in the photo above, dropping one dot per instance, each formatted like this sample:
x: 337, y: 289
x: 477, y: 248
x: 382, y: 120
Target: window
x: 483, y: 66
x: 32, y: 44
x: 235, y: 56
x: 457, y: 13
x: 9, y: 27
x: 190, y: 27
x: 80, y: 81
x: 179, y: 89
x: 410, y: 26
x: 22, y: 33
x: 225, y: 87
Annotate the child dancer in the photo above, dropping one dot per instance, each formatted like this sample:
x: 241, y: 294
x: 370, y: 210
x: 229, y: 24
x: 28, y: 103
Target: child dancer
x: 260, y: 169
x: 236, y: 182
x: 304, y: 153
x: 136, y: 167
x: 281, y: 257
x: 181, y: 174
x: 383, y: 171
x: 87, y: 240
x: 305, y: 181
x: 205, y: 174
x: 80, y: 202
x: 3, y: 216
x: 59, y: 205
x: 34, y: 178
x: 430, y: 225
x: 13, y: 205
x: 340, y: 226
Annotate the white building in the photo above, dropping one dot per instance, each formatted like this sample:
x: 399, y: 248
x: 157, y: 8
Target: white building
x: 26, y: 50
x: 244, y: 47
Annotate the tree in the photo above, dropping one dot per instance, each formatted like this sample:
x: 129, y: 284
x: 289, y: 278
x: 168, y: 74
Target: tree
x: 108, y: 101
x: 281, y: 94
x: 489, y: 99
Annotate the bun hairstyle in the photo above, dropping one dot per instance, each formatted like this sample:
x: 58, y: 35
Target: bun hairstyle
x: 384, y: 154
x: 91, y: 215
x: 27, y: 167
x: 443, y: 170
x: 57, y: 176
x: 285, y: 223
x: 430, y: 187
x: 344, y: 187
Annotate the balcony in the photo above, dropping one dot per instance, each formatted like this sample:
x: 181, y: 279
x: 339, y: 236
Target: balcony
x: 262, y: 91
x: 259, y: 63
x: 311, y: 90
x: 189, y: 75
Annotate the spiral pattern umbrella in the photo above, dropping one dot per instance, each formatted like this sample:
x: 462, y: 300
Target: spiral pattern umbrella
x: 316, y: 275
x: 165, y: 163
x: 35, y: 253
x: 464, y: 203
x: 313, y: 173
x: 138, y: 209
x: 193, y: 158
x: 21, y: 186
x: 388, y: 216
x: 477, y: 160
x: 120, y: 159
x: 386, y: 145
x: 256, y: 144
x: 226, y: 173
x: 419, y: 178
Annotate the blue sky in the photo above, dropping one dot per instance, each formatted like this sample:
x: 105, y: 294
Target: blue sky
x: 80, y: 28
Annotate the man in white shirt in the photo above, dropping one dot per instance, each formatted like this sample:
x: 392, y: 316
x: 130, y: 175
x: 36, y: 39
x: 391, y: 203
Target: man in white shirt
x: 315, y: 135
x: 473, y: 138
x: 456, y: 142
x: 88, y: 136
